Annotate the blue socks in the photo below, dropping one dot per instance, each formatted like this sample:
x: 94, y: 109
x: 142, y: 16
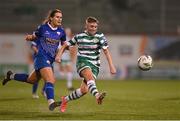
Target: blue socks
x: 34, y: 87
x: 21, y: 77
x: 49, y: 88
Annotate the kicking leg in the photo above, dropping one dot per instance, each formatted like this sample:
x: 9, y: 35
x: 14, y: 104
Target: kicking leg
x: 73, y: 96
x: 32, y: 78
x: 91, y: 84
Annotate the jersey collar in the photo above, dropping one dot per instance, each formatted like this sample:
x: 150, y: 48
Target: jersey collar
x: 52, y: 27
x: 85, y: 31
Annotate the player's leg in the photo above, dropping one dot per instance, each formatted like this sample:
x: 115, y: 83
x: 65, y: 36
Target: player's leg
x: 91, y: 84
x: 21, y: 77
x: 44, y: 65
x: 89, y: 72
x: 88, y: 75
x: 48, y: 76
x: 34, y: 90
x: 34, y: 76
x: 43, y: 91
x: 76, y: 94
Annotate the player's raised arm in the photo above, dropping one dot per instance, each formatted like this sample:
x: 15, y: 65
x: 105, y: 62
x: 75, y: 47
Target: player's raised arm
x: 109, y: 59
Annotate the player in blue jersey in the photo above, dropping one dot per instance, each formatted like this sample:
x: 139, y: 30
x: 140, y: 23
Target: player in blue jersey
x: 49, y: 37
x: 90, y: 43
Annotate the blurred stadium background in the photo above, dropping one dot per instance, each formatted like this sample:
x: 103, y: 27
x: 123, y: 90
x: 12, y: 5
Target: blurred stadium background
x: 132, y: 27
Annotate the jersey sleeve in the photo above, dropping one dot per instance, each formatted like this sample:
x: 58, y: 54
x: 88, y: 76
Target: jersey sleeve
x: 103, y: 42
x: 38, y: 31
x: 33, y: 43
x: 63, y: 38
x: 72, y: 42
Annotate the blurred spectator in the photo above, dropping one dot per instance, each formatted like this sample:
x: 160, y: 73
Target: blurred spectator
x: 67, y: 61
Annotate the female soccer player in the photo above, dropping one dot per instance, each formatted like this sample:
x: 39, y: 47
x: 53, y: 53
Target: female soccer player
x: 48, y: 36
x: 90, y: 43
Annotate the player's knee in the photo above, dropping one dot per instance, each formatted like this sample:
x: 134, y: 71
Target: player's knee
x: 31, y: 81
x: 50, y: 79
x: 87, y: 74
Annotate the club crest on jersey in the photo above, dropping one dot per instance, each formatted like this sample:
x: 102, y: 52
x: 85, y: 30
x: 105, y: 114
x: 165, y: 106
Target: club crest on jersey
x: 95, y: 40
x: 48, y: 61
x: 58, y: 33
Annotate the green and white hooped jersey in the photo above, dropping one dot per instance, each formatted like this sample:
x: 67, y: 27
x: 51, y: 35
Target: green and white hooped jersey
x: 89, y: 47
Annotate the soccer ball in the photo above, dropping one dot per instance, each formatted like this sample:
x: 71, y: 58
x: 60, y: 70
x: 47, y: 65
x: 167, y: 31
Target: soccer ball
x: 145, y: 62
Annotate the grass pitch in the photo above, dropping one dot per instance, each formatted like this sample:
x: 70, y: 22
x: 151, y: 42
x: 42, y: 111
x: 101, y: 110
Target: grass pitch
x: 129, y: 99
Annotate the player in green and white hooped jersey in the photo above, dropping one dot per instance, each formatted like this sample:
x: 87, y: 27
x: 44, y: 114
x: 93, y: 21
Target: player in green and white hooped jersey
x: 90, y: 42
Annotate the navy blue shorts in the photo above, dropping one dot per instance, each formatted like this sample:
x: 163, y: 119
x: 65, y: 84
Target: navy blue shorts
x: 41, y: 61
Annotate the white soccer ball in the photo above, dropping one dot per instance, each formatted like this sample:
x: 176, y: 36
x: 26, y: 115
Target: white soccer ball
x: 145, y: 62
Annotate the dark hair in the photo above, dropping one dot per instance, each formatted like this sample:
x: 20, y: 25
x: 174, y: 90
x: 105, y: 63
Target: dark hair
x: 91, y: 19
x: 51, y: 13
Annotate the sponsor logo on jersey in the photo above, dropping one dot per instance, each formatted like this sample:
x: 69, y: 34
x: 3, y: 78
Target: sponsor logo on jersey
x: 46, y: 32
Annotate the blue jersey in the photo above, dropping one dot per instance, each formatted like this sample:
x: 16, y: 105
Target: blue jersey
x: 49, y: 39
x: 34, y: 43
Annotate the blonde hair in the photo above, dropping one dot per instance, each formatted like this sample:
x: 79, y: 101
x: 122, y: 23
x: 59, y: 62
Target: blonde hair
x: 91, y: 19
x: 51, y: 13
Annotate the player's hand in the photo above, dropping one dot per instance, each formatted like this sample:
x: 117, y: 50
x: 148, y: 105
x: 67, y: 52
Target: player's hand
x: 29, y: 37
x: 113, y: 70
x: 58, y: 59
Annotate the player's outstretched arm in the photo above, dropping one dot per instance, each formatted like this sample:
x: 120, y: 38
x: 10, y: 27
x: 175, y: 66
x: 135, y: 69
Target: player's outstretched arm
x: 73, y: 53
x: 109, y: 59
x: 60, y: 52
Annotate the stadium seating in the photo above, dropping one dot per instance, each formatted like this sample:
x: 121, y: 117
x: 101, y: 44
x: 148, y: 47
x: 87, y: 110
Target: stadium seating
x: 117, y: 16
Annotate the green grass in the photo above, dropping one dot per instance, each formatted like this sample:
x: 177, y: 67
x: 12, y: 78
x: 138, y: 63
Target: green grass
x: 138, y: 100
